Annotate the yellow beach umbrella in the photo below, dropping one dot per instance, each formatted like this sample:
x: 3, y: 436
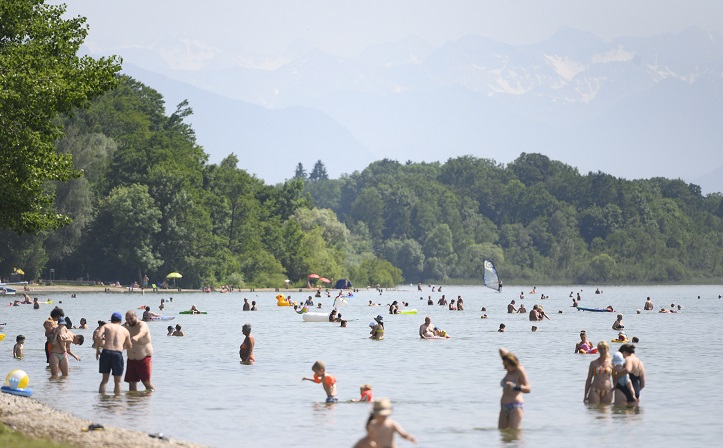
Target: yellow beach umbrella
x: 18, y: 271
x: 174, y: 276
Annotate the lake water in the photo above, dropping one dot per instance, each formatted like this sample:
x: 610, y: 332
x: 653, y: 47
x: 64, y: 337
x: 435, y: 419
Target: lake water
x: 445, y: 392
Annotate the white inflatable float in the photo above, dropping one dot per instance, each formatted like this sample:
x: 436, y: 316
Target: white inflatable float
x: 315, y: 317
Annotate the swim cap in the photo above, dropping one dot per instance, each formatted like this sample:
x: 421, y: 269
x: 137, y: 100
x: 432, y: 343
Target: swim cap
x: 618, y: 359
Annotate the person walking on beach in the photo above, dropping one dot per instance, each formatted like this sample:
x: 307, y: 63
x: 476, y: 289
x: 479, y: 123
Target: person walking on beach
x: 246, y: 350
x: 140, y: 353
x: 514, y: 384
x: 115, y: 338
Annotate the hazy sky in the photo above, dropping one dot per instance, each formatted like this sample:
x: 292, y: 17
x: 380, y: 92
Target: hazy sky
x: 268, y: 27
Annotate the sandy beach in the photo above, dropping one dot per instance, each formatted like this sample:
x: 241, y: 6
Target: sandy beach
x: 38, y: 420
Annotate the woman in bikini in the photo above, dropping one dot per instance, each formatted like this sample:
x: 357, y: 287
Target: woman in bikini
x: 60, y: 349
x: 514, y: 384
x: 599, y: 386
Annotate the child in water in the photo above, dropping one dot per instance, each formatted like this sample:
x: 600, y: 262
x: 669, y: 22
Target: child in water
x: 623, y: 383
x: 366, y: 393
x: 327, y: 381
x: 382, y: 428
x: 19, y: 347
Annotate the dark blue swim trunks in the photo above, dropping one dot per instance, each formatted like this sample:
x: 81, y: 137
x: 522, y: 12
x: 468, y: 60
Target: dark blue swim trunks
x: 111, y: 361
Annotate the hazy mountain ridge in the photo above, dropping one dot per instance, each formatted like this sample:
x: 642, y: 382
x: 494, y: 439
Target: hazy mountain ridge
x: 628, y: 107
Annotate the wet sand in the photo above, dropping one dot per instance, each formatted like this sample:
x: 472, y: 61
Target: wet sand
x: 38, y: 420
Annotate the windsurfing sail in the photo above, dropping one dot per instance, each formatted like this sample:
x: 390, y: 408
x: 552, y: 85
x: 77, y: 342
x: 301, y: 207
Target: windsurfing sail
x: 491, y: 279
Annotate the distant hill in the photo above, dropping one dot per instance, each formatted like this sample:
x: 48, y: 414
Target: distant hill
x: 269, y: 142
x: 633, y: 107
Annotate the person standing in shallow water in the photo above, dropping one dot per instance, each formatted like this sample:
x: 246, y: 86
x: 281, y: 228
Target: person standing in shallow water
x: 246, y: 350
x: 139, y: 364
x: 514, y: 384
x: 115, y: 338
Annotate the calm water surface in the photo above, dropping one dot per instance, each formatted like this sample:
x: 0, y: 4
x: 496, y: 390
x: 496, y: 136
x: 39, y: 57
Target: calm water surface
x: 445, y: 392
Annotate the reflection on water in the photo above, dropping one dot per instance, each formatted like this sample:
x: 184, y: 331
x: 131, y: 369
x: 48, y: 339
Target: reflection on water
x: 443, y: 391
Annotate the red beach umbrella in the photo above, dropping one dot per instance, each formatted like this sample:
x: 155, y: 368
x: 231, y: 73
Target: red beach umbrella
x: 324, y: 280
x: 312, y: 276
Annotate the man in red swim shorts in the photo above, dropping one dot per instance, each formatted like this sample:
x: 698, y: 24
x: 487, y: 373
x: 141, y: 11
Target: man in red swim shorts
x: 138, y: 367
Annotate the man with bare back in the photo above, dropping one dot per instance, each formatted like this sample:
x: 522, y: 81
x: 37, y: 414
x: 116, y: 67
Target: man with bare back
x: 115, y: 339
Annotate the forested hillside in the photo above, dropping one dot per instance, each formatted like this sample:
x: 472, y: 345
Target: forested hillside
x: 149, y: 203
x: 538, y: 219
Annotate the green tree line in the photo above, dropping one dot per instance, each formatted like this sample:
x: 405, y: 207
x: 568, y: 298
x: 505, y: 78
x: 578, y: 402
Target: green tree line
x: 98, y: 181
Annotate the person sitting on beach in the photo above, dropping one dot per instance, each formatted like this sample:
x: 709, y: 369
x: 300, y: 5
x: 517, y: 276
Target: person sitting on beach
x: 170, y: 330
x: 426, y: 330
x: 326, y: 380
x: 19, y: 347
x: 149, y: 315
x: 178, y: 331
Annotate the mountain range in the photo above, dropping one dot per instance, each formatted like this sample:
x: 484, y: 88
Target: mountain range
x: 631, y: 107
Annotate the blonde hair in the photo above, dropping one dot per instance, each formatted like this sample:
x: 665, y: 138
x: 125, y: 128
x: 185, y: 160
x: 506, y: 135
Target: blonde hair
x: 366, y: 387
x: 605, y: 345
x: 511, y: 359
x: 318, y: 365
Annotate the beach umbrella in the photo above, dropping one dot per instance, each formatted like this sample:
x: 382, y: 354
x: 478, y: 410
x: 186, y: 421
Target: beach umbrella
x: 312, y: 276
x: 324, y: 280
x: 174, y: 276
x: 18, y: 271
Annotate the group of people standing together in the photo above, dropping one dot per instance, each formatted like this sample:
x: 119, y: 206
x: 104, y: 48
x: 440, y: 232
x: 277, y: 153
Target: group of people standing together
x: 109, y: 341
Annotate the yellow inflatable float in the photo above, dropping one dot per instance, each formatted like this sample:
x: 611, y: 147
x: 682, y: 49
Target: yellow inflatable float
x: 282, y: 300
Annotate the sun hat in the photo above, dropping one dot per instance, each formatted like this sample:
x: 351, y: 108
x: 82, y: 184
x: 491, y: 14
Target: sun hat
x: 618, y: 359
x: 379, y: 318
x: 383, y: 406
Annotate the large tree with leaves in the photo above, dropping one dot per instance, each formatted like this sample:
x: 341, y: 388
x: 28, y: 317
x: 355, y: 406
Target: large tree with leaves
x: 41, y: 76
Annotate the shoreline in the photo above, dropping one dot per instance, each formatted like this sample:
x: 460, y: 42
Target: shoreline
x: 37, y: 420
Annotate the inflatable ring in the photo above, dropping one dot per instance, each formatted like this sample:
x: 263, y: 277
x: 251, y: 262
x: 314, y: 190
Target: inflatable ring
x: 412, y: 311
x: 22, y: 392
x: 619, y: 341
